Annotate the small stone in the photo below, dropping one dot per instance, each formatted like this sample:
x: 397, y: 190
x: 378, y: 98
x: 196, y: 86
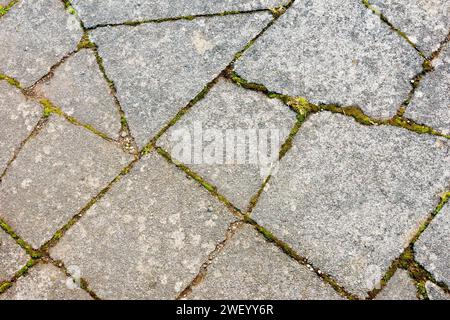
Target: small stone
x: 249, y: 267
x: 36, y: 34
x: 436, y: 293
x: 425, y: 22
x: 45, y: 282
x: 431, y: 102
x: 351, y: 197
x: 231, y: 138
x: 18, y: 119
x: 148, y: 236
x: 12, y: 257
x: 97, y: 12
x: 310, y: 50
x: 159, y: 68
x: 432, y: 247
x: 399, y: 287
x: 56, y: 173
x: 79, y: 89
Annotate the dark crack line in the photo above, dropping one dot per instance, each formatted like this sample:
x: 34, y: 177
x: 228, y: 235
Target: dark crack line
x: 134, y: 23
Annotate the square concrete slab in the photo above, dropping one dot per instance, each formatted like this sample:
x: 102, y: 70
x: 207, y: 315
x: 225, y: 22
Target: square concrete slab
x: 351, y: 197
x: 35, y: 35
x: 425, y: 22
x: 80, y: 90
x: 159, y: 68
x: 432, y: 247
x: 97, y: 12
x: 231, y: 138
x: 12, y: 257
x: 334, y: 52
x: 249, y: 267
x: 399, y: 287
x: 45, y: 282
x: 149, y: 235
x: 431, y: 102
x: 54, y: 176
x: 18, y: 119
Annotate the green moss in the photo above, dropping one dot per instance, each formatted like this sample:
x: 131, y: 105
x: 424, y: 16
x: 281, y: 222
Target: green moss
x: 4, y: 9
x: 427, y: 66
x: 10, y: 80
x: 5, y: 285
x: 85, y: 42
x: 22, y: 243
x: 277, y: 12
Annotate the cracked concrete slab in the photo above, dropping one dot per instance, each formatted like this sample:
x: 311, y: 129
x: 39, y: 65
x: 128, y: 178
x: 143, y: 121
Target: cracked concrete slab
x: 157, y: 77
x: 334, y: 52
x: 12, y: 257
x: 399, y: 287
x: 431, y: 102
x: 19, y: 117
x: 56, y: 173
x: 345, y: 200
x: 249, y: 267
x: 213, y: 137
x: 36, y: 34
x: 425, y: 22
x: 350, y: 197
x: 98, y: 12
x: 432, y: 247
x: 45, y: 282
x: 80, y: 90
x: 149, y: 235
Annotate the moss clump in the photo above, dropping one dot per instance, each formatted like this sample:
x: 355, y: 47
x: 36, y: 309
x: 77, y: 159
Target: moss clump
x: 5, y: 286
x: 277, y: 12
x: 85, y: 42
x: 427, y: 66
x: 10, y: 80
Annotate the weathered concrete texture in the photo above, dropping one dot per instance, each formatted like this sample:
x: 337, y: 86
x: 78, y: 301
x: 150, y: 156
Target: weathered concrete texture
x: 18, y: 118
x: 159, y: 68
x: 80, y: 90
x: 148, y: 236
x: 432, y: 247
x: 97, y: 12
x: 350, y: 197
x: 12, y: 257
x: 35, y: 35
x: 251, y: 268
x: 431, y: 102
x: 45, y: 282
x: 54, y: 176
x: 334, y: 52
x: 425, y: 22
x: 436, y: 293
x: 399, y: 287
x: 229, y: 108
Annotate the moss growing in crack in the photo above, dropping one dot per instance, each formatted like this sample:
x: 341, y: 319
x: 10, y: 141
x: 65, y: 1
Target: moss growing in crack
x: 50, y: 108
x: 123, y: 121
x: 278, y: 11
x: 85, y: 42
x: 4, y: 9
x: 427, y: 66
x: 5, y: 285
x: 22, y: 243
x: 287, y: 145
x: 247, y: 85
x: 10, y: 80
x: 395, y: 29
